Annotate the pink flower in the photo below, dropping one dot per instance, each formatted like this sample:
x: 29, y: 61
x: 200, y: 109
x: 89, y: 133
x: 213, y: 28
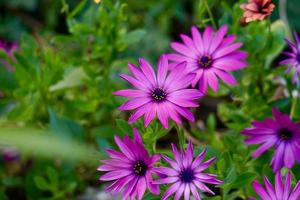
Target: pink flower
x: 164, y: 95
x: 211, y: 56
x: 281, y: 191
x: 131, y: 169
x: 281, y: 133
x: 186, y: 174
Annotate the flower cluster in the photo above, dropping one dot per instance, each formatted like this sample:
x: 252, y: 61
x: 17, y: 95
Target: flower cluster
x: 171, y: 91
x: 132, y: 170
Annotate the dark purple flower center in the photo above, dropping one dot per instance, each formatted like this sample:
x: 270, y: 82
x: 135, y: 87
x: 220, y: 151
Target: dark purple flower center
x: 285, y: 134
x: 205, y: 61
x: 140, y: 168
x: 298, y: 57
x: 159, y: 94
x: 187, y: 175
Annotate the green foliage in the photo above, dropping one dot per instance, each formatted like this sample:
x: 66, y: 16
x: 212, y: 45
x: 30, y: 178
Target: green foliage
x: 57, y: 106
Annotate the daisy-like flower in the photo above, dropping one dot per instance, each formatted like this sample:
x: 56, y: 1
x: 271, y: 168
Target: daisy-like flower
x: 281, y: 191
x: 293, y: 58
x: 280, y: 132
x: 165, y: 95
x: 186, y: 174
x: 131, y: 169
x: 211, y: 56
x: 256, y: 10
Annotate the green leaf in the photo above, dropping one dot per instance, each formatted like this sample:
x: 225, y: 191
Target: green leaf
x: 41, y: 183
x: 244, y: 179
x: 65, y: 127
x: 124, y: 126
x: 134, y: 36
x: 73, y: 77
x: 211, y: 123
x: 42, y: 143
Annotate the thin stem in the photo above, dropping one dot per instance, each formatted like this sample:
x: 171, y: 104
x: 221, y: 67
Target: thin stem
x: 283, y: 16
x: 210, y: 14
x: 294, y: 105
x: 181, y: 137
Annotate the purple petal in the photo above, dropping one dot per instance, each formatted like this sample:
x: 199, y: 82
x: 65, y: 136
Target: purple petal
x: 163, y: 115
x: 171, y: 162
x: 148, y: 71
x: 277, y: 161
x: 140, y: 76
x: 278, y: 184
x: 134, y: 82
x: 289, y: 158
x: 189, y: 43
x: 269, y: 188
x: 202, y: 187
x: 296, y: 192
x: 134, y: 103
x: 287, y: 186
x: 218, y: 38
x: 130, y: 93
x: 154, y: 189
x: 196, y: 163
x: 131, y: 187
x: 179, y: 192
x: 203, y: 83
x: 141, y: 188
x: 229, y: 64
x: 260, y: 150
x: 205, y: 164
x: 195, y: 192
x: 207, y: 38
x: 260, y: 191
x: 197, y: 39
x: 150, y: 113
x: 137, y: 137
x: 180, y: 48
x: 227, y: 50
x: 137, y: 114
x: 116, y: 174
x: 226, y: 77
x: 212, y: 80
x: 124, y: 148
x: 187, y: 192
x: 166, y: 170
x: 162, y: 70
x: 185, y: 113
x: 171, y: 190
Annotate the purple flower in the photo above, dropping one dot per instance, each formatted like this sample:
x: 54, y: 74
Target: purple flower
x: 280, y: 132
x: 211, y: 56
x: 10, y: 153
x: 165, y: 95
x: 282, y: 191
x: 186, y: 174
x: 131, y: 169
x: 293, y: 60
x: 9, y: 48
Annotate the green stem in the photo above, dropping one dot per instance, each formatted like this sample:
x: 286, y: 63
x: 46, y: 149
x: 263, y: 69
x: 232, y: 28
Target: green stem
x: 210, y: 14
x: 294, y: 105
x: 181, y: 137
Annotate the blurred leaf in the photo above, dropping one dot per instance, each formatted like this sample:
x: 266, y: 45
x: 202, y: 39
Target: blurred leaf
x: 134, y: 36
x: 243, y: 180
x: 65, y: 127
x: 44, y: 144
x: 124, y: 126
x: 73, y: 77
x: 41, y: 183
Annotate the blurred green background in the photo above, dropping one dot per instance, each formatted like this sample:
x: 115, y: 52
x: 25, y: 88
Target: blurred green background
x: 57, y: 111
